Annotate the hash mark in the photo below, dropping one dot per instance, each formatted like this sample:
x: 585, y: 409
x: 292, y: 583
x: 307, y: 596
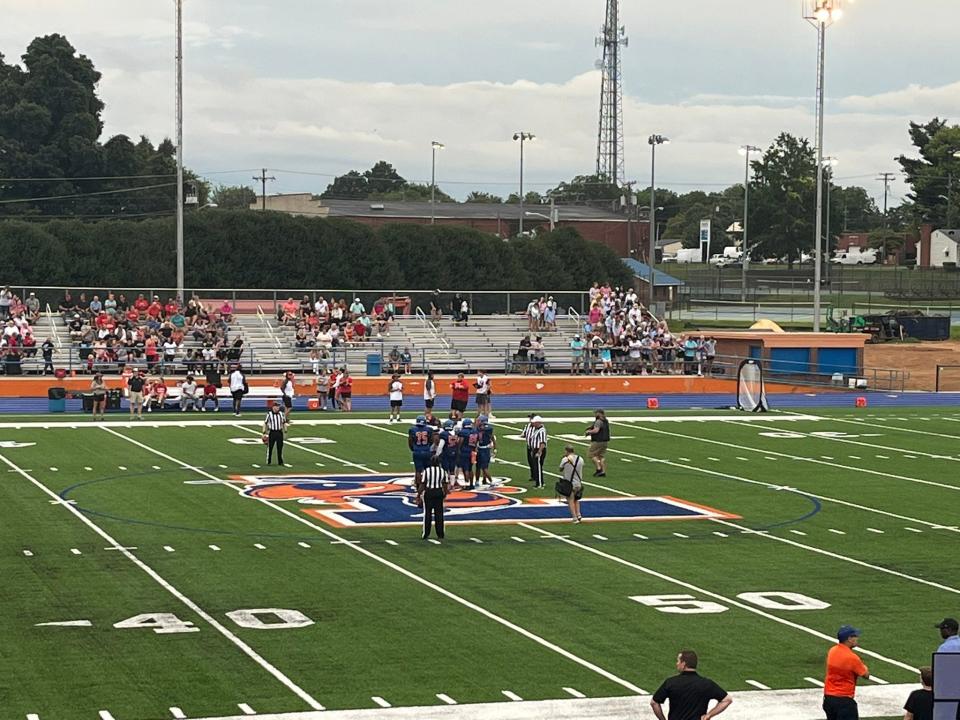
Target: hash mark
x: 912, y: 529
x: 714, y: 459
x: 384, y: 464
x: 76, y: 551
x: 626, y: 460
x: 681, y: 535
x: 798, y: 532
x: 223, y: 467
x: 255, y: 465
x: 510, y: 695
x: 121, y: 467
x: 380, y: 701
x: 246, y: 709
x: 215, y: 548
x: 303, y: 544
x: 874, y: 530
x: 33, y: 716
x: 814, y: 681
x: 433, y: 541
x: 743, y: 458
x: 600, y: 537
x: 576, y: 693
x: 684, y: 459
x: 476, y: 540
x: 639, y: 537
x: 53, y: 469
x: 758, y: 685
x: 390, y: 542
x: 836, y: 532
x: 258, y: 546
x: 168, y: 548
x: 177, y: 713
x: 883, y: 457
x: 720, y: 534
x: 854, y: 457
x: 770, y: 458
x: 28, y: 553
x: 446, y: 698
x: 518, y: 539
x: 105, y: 715
x: 826, y: 457
x: 910, y: 457
x: 155, y: 467
x: 320, y: 465
x: 87, y: 468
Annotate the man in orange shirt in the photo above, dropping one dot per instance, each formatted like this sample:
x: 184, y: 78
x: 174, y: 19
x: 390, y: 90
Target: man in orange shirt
x: 844, y: 666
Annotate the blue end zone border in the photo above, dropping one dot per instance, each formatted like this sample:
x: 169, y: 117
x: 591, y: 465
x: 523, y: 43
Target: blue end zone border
x: 637, y: 401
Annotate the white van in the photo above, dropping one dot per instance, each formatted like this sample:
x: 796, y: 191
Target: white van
x: 855, y: 256
x: 689, y: 255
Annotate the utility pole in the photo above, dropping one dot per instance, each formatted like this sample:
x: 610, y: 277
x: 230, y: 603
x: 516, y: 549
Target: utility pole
x: 887, y: 178
x: 179, y: 112
x: 262, y: 179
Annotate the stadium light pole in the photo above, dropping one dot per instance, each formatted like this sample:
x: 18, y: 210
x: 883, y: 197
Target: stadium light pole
x: 654, y: 140
x: 180, y: 150
x: 522, y: 137
x: 434, y: 146
x: 821, y: 14
x: 830, y: 162
x: 745, y: 150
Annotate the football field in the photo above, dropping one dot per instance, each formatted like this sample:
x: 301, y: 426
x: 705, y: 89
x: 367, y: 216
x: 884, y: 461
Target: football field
x: 160, y: 569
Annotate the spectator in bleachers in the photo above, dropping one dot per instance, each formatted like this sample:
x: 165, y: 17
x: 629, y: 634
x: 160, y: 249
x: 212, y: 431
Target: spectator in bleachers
x: 155, y: 309
x: 288, y: 311
x: 67, y: 305
x: 538, y: 355
x: 464, y: 311
x: 46, y: 350
x: 550, y: 315
x: 171, y: 308
x: 533, y: 316
x: 188, y: 394
x: 523, y: 354
x: 305, y: 306
x: 576, y: 354
x: 226, y: 311
x: 32, y: 308
x: 436, y: 306
x: 394, y: 359
x: 322, y: 308
x: 83, y: 305
x: 110, y: 305
x: 95, y: 305
x: 6, y: 299
x: 356, y: 309
x: 406, y: 360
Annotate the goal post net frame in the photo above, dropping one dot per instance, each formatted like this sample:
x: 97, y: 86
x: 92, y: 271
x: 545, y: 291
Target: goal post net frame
x: 751, y: 390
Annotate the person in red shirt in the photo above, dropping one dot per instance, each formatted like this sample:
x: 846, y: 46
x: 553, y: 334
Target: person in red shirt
x: 844, y: 666
x: 460, y: 396
x: 133, y: 316
x: 155, y: 310
x: 141, y: 304
x: 359, y: 330
x: 346, y: 391
x: 102, y: 319
x: 171, y: 308
x: 150, y: 351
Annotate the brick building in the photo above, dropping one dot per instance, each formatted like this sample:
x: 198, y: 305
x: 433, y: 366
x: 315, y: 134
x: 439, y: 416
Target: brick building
x: 624, y: 235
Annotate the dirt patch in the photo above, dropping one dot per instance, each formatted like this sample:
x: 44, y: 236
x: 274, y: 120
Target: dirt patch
x: 920, y: 360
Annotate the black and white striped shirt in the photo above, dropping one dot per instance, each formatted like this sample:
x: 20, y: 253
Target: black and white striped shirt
x: 537, y: 437
x: 434, y: 478
x: 274, y: 421
x: 526, y: 431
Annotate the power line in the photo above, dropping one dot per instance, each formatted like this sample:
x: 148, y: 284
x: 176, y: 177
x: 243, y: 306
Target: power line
x: 77, y: 179
x: 83, y: 195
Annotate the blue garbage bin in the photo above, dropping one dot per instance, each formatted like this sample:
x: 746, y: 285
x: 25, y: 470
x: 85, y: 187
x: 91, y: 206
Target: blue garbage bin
x: 57, y: 399
x: 374, y: 365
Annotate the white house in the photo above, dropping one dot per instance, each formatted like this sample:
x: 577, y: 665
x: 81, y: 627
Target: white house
x: 944, y: 247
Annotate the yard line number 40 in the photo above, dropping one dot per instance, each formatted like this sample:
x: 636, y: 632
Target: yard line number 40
x: 252, y: 619
x: 689, y: 605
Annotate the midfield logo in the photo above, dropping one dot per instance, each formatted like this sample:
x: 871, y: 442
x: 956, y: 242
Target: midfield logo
x: 386, y: 500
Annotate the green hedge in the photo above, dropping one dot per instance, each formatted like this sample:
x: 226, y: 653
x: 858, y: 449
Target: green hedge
x: 242, y: 248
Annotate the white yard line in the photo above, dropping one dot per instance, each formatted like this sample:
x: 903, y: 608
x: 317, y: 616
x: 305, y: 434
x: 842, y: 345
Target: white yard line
x: 885, y: 427
x: 703, y: 591
x: 848, y: 441
x: 791, y: 457
x: 209, y: 619
x: 303, y: 519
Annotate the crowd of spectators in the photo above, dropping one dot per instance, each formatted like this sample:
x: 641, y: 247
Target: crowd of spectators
x: 17, y: 340
x: 323, y: 325
x: 115, y: 332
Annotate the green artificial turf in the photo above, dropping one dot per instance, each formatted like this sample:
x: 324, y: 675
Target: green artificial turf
x: 856, y: 510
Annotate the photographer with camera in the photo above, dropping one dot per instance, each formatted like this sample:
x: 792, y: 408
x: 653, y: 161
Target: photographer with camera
x: 570, y: 485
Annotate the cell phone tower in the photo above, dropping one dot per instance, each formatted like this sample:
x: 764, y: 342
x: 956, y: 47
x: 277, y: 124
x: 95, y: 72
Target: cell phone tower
x: 610, y: 132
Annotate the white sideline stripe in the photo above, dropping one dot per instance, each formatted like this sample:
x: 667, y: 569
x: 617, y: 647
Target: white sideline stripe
x: 574, y: 692
x: 213, y: 622
x: 446, y: 698
x: 401, y: 570
x: 105, y: 715
x: 814, y: 681
x: 757, y: 685
x: 798, y: 491
x: 886, y: 448
x: 177, y: 713
x: 510, y: 695
x: 246, y: 709
x: 380, y: 701
x: 311, y: 422
x: 716, y: 596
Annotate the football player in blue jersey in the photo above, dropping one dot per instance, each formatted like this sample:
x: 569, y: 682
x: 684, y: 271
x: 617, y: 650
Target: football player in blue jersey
x: 447, y: 449
x: 486, y: 447
x: 420, y: 441
x: 466, y: 456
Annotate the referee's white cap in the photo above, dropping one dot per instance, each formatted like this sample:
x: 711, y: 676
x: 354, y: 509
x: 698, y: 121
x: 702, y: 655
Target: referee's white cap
x: 536, y: 419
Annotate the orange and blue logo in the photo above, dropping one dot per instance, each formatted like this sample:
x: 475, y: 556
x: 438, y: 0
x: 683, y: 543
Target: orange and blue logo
x: 385, y: 500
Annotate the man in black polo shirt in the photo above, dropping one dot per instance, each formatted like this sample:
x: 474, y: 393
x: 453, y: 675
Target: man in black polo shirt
x: 689, y: 693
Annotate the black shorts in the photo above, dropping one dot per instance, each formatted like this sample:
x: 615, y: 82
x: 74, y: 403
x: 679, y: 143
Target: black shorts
x: 332, y: 394
x: 428, y: 404
x: 287, y: 402
x: 396, y: 403
x: 458, y: 405
x: 840, y: 708
x: 482, y: 398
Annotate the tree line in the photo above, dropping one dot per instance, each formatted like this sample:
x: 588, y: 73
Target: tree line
x: 247, y: 249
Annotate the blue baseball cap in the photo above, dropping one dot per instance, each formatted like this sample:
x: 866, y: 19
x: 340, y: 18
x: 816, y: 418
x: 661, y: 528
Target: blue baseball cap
x: 846, y: 632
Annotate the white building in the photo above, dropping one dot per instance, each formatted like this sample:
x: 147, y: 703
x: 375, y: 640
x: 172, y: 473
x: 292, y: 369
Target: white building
x: 944, y: 247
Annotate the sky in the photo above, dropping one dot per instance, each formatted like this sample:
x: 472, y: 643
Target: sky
x: 313, y: 88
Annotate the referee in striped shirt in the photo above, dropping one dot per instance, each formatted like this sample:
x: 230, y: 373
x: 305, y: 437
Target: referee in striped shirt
x: 273, y: 427
x: 432, y: 488
x: 527, y: 429
x: 536, y: 449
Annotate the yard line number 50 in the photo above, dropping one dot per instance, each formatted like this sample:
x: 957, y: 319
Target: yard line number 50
x: 689, y: 605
